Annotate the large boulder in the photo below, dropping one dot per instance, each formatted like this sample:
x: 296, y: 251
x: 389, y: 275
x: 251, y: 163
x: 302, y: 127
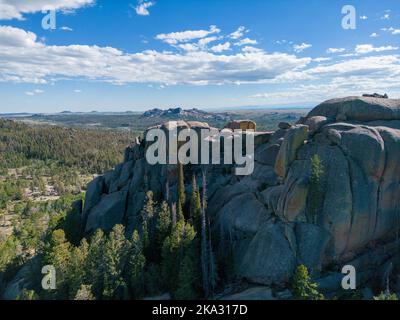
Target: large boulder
x: 358, y: 109
x: 269, y: 258
x: 93, y: 193
x: 107, y: 213
x: 293, y: 139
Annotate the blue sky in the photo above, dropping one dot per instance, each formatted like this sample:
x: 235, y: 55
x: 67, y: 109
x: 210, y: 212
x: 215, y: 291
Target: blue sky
x: 133, y: 55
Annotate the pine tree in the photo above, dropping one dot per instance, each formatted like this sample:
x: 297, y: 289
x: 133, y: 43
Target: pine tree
x: 303, y: 287
x: 58, y: 253
x: 77, y: 268
x: 148, y: 228
x: 94, y: 263
x: 195, y: 205
x: 116, y: 251
x: 163, y: 227
x: 181, y: 186
x: 187, y: 280
x: 179, y: 211
x: 316, y: 188
x: 136, y: 266
x: 175, y: 247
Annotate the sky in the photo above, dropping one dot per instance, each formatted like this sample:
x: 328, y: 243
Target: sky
x: 213, y: 54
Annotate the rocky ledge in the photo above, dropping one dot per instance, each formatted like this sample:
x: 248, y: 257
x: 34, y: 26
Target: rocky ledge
x: 265, y: 224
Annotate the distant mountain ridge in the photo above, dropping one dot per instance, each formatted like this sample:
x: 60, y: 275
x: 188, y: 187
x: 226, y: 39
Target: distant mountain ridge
x: 179, y: 112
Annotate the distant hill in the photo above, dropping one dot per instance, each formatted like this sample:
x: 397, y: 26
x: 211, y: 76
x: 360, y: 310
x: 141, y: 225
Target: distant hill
x: 186, y: 114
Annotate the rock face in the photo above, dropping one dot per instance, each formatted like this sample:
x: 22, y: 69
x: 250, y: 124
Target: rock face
x: 265, y: 224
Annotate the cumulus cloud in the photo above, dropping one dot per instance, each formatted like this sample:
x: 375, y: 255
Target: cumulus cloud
x: 239, y: 33
x: 24, y: 59
x: 142, y: 9
x: 185, y: 36
x: 245, y: 41
x: 221, y: 47
x: 374, y: 35
x: 335, y: 50
x: 15, y: 9
x: 301, y: 47
x: 368, y: 48
x: 392, y: 30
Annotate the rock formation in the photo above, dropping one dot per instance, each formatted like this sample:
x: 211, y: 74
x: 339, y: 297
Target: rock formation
x: 264, y: 224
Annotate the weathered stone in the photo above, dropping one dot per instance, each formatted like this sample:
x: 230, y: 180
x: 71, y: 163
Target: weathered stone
x: 93, y: 193
x: 269, y: 258
x: 242, y: 125
x: 267, y: 154
x: 316, y: 123
x: 294, y: 139
x: 107, y: 213
x: 312, y: 242
x: 284, y: 125
x: 358, y: 109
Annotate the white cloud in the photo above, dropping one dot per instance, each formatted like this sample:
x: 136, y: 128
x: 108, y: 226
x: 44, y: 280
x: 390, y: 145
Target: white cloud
x: 245, y: 41
x: 221, y: 47
x: 322, y: 59
x: 250, y: 49
x: 386, y: 16
x: 15, y: 9
x: 335, y: 50
x: 65, y: 28
x: 142, y: 9
x: 205, y: 41
x: 363, y: 17
x: 391, y: 30
x: 34, y: 92
x: 185, y: 36
x: 368, y: 48
x: 301, y: 47
x: 374, y: 35
x: 77, y: 91
x: 24, y: 59
x: 239, y: 33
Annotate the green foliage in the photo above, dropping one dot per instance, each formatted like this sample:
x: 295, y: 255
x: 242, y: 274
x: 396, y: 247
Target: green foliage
x: 181, y: 187
x: 180, y: 267
x: 85, y: 293
x: 148, y: 224
x: 195, y: 205
x: 386, y: 296
x: 58, y: 253
x: 163, y: 226
x: 316, y: 192
x: 302, y: 286
x: 26, y: 295
x: 115, y: 257
x: 93, y: 151
x: 8, y: 252
x: 136, y: 265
